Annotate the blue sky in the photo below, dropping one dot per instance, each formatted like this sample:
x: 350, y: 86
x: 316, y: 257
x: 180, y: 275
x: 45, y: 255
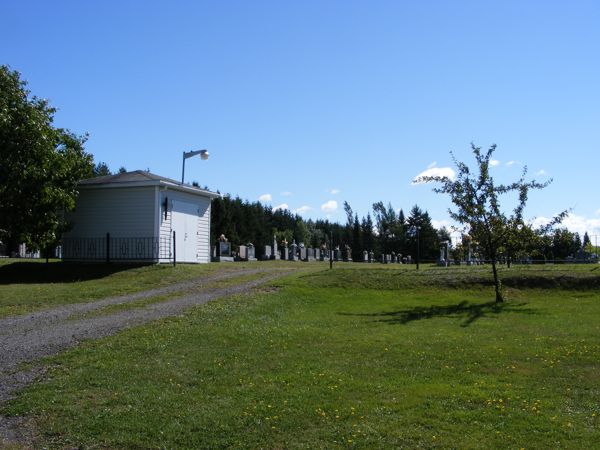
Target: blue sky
x: 308, y: 104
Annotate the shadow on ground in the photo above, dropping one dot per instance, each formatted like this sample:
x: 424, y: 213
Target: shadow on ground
x: 470, y: 312
x: 57, y: 272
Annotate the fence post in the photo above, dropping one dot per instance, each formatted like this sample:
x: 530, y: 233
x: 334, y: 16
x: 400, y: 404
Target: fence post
x: 107, y: 248
x: 174, y: 250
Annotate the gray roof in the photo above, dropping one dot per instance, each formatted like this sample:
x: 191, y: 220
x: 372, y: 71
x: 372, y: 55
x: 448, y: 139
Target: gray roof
x: 141, y: 177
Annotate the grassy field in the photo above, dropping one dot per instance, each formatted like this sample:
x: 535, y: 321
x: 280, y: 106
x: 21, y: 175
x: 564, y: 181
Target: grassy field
x: 32, y: 285
x: 357, y: 357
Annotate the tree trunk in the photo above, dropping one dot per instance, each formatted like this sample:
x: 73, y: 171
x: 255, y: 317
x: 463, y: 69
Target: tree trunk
x: 497, y: 282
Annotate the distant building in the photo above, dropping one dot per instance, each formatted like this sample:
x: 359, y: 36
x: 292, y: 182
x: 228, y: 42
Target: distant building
x: 132, y: 216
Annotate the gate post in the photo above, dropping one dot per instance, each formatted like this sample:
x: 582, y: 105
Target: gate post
x: 174, y: 250
x: 107, y: 248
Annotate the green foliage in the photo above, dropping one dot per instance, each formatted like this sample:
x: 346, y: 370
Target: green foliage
x: 40, y: 166
x: 101, y: 170
x: 476, y: 198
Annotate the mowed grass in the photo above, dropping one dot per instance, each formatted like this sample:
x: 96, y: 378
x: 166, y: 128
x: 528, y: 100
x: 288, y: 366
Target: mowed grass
x: 30, y: 285
x: 351, y: 358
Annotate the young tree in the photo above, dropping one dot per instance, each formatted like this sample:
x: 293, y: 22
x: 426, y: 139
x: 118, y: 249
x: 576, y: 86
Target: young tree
x: 40, y: 166
x: 476, y: 198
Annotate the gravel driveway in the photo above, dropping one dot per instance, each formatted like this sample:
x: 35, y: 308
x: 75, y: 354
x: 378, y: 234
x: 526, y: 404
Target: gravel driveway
x: 29, y: 337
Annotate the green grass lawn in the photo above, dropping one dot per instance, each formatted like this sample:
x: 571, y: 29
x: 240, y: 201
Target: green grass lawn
x: 365, y: 357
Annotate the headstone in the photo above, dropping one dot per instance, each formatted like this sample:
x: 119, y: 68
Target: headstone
x: 310, y: 254
x: 371, y: 256
x: 274, y: 252
x: 251, y: 253
x: 267, y: 254
x: 365, y: 256
x: 303, y: 254
x: 293, y: 249
x: 223, y: 250
x: 243, y: 252
x: 337, y: 254
x: 347, y: 253
x: 285, y: 253
x: 399, y: 258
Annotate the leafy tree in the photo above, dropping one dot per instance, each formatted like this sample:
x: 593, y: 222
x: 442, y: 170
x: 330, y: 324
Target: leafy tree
x: 40, y: 166
x: 101, y: 170
x: 564, y: 244
x: 385, y: 218
x: 476, y: 198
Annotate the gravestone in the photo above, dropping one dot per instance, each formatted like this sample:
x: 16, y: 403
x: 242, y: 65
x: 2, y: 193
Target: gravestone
x: 223, y: 250
x: 365, y: 256
x: 347, y: 254
x: 293, y: 249
x: 371, y: 256
x: 274, y: 254
x: 247, y: 253
x: 303, y: 254
x: 310, y: 254
x: 337, y: 254
x: 267, y: 253
x: 399, y: 258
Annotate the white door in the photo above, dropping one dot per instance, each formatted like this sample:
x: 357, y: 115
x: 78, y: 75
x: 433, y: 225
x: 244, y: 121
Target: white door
x: 185, y: 225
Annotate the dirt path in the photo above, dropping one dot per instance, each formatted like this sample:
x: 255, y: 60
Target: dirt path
x: 27, y: 338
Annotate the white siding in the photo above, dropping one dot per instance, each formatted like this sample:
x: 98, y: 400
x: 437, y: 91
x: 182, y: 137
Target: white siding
x: 122, y: 212
x: 203, y: 209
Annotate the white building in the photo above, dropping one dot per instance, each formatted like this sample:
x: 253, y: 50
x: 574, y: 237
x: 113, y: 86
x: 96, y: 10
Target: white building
x: 132, y: 216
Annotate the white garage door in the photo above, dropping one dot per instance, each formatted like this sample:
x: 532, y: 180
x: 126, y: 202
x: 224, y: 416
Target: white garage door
x: 185, y: 225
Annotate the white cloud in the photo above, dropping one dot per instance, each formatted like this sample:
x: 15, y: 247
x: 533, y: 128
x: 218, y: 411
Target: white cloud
x: 435, y: 172
x: 574, y: 223
x: 329, y: 207
x: 494, y: 162
x: 598, y: 212
x: 511, y: 163
x: 540, y: 172
x: 265, y: 198
x: 437, y: 224
x: 302, y: 210
x: 286, y: 193
x: 334, y: 191
x: 433, y: 164
x: 282, y: 206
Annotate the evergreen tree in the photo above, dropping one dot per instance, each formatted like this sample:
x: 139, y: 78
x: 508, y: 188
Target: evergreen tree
x: 367, y: 233
x: 357, y: 241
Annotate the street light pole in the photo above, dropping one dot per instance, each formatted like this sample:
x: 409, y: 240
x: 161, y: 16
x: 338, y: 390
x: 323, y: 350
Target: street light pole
x: 203, y: 155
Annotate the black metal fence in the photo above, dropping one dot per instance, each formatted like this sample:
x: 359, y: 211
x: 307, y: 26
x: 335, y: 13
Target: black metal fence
x: 108, y: 248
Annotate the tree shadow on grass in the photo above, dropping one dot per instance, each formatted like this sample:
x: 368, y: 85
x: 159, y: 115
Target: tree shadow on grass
x: 470, y: 312
x: 29, y: 272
